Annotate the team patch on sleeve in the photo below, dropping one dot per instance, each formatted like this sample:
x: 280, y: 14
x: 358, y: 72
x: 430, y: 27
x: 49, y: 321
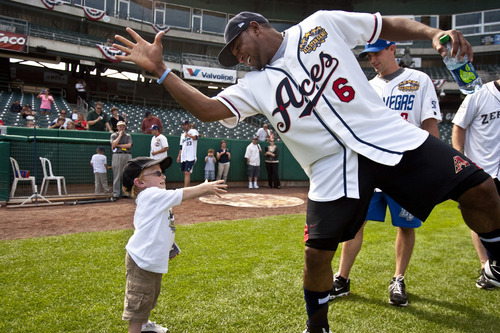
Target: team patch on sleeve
x: 313, y: 39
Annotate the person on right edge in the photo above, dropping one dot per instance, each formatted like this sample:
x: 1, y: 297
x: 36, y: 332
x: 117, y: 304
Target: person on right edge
x: 476, y: 132
x: 310, y: 87
x: 412, y: 95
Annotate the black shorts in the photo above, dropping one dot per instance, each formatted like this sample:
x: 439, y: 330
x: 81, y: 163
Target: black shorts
x: 426, y: 176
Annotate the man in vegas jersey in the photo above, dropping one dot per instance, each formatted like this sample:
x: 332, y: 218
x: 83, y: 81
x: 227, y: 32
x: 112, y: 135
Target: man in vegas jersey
x: 310, y: 87
x: 411, y: 94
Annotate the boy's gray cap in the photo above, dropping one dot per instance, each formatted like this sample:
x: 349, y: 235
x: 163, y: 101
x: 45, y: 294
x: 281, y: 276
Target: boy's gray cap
x: 134, y: 167
x: 234, y: 27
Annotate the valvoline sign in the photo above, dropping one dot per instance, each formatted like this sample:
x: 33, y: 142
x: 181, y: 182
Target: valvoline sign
x: 209, y: 74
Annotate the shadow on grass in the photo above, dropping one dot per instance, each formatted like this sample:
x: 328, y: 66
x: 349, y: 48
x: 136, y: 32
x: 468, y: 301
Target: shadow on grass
x: 450, y: 316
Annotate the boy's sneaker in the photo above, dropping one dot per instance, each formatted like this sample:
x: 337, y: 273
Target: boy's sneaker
x: 341, y: 287
x: 250, y: 186
x: 492, y: 272
x: 152, y: 327
x: 397, y: 292
x: 483, y: 283
x: 255, y: 185
x: 316, y: 330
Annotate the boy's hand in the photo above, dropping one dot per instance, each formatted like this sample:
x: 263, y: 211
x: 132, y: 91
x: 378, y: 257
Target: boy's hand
x: 217, y: 187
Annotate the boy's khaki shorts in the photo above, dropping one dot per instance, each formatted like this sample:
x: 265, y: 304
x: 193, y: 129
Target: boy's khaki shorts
x: 141, y: 293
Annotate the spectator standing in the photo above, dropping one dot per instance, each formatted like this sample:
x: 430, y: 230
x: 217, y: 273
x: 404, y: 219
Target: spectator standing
x: 412, y: 95
x: 81, y: 123
x: 252, y: 154
x: 47, y: 101
x: 98, y: 120
x: 159, y: 144
x: 264, y: 133
x: 476, y: 132
x: 149, y: 248
x: 210, y: 161
x: 148, y: 121
x: 224, y: 158
x: 16, y: 107
x: 115, y: 118
x: 121, y: 144
x: 55, y: 122
x: 272, y: 164
x: 99, y: 164
x: 81, y: 89
x: 187, y: 151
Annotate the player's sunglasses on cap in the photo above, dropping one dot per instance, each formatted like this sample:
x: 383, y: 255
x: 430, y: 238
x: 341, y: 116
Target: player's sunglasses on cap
x: 134, y: 167
x: 379, y: 45
x: 234, y: 27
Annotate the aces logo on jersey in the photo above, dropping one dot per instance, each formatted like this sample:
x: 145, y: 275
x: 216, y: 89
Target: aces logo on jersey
x: 313, y: 39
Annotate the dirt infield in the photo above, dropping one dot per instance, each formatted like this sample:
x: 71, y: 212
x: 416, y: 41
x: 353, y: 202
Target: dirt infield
x: 66, y: 219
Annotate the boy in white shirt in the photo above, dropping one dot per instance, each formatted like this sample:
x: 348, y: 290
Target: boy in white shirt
x: 99, y: 163
x: 149, y: 247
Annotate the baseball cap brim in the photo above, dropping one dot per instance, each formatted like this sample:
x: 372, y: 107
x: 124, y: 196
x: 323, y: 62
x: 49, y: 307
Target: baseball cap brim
x: 134, y: 167
x: 379, y: 45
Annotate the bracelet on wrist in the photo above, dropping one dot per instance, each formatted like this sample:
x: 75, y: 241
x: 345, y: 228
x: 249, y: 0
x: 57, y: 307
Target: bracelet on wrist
x: 160, y: 80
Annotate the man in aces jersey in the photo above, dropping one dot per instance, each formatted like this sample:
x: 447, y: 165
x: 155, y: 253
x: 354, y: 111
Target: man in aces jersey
x: 412, y: 95
x: 311, y: 88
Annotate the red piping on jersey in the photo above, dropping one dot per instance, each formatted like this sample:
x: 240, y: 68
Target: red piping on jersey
x: 374, y: 30
x: 232, y: 105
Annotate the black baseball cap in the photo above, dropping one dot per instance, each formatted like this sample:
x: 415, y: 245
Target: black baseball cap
x: 134, y: 167
x: 234, y: 27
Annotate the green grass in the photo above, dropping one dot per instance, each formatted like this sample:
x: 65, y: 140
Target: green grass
x: 246, y: 276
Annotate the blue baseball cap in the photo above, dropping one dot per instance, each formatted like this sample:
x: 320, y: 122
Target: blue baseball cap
x: 155, y: 127
x: 379, y: 45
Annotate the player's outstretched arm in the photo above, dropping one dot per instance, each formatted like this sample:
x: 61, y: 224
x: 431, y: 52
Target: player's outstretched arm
x: 400, y: 28
x: 148, y: 56
x: 217, y: 187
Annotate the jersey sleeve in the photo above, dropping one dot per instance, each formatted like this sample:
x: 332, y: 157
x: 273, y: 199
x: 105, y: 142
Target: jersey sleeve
x: 430, y: 103
x: 240, y: 101
x: 356, y: 28
x: 465, y: 113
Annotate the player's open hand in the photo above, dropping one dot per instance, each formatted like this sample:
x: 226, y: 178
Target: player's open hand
x: 144, y: 54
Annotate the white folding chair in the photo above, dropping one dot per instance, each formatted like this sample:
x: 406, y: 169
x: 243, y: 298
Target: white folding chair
x: 48, y: 176
x: 19, y: 178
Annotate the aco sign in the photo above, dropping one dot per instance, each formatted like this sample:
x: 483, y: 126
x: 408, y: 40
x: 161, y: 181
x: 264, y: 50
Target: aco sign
x: 14, y: 42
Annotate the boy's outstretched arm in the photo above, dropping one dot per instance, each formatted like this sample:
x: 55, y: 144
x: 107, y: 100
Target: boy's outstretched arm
x: 217, y: 187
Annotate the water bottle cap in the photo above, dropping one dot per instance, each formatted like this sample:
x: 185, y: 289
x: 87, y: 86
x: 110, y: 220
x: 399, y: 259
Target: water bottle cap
x: 444, y: 39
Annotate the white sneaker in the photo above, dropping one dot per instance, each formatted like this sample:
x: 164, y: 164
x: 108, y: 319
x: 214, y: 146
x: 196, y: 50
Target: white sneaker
x: 255, y: 185
x: 250, y: 186
x: 152, y: 327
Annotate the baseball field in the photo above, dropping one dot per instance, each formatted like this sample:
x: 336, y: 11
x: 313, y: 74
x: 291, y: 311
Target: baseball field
x: 240, y: 270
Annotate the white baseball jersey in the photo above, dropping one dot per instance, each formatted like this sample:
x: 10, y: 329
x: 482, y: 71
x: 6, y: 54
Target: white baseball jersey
x: 157, y: 143
x: 411, y: 94
x: 316, y: 96
x: 189, y: 146
x: 479, y: 115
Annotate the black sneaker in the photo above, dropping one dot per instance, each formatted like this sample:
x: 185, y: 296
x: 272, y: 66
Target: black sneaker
x: 483, y: 283
x: 397, y: 292
x: 492, y: 272
x: 341, y: 287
